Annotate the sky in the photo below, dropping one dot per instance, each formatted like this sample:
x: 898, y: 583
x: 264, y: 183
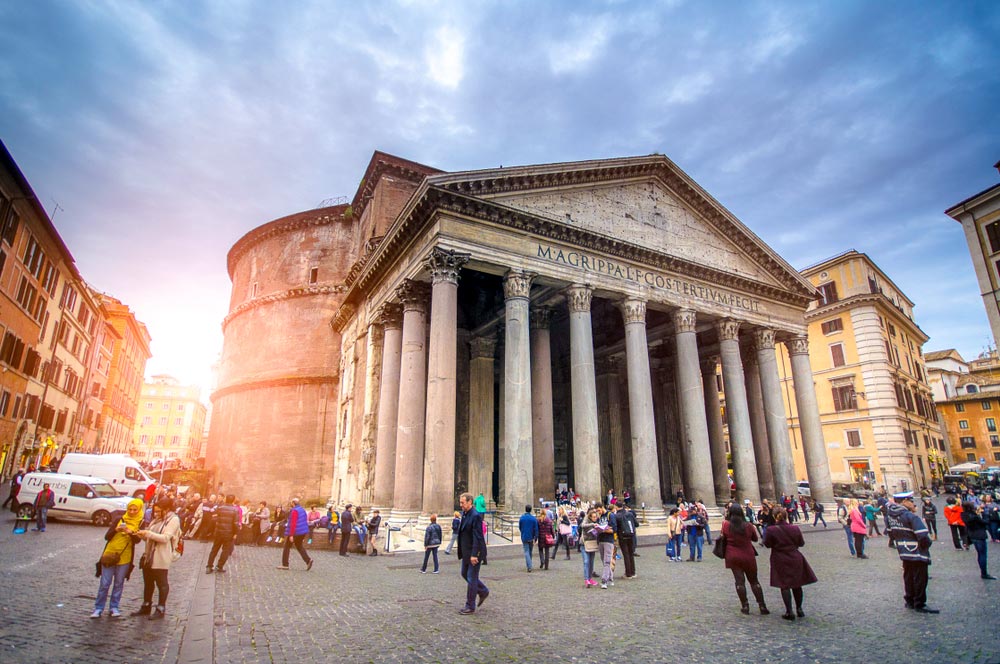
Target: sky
x: 156, y: 134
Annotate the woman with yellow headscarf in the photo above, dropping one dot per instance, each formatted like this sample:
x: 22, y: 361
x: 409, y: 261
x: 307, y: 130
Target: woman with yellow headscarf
x: 118, y: 557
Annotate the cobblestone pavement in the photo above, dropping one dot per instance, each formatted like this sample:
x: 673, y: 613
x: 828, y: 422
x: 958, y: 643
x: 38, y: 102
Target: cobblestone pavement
x: 361, y: 609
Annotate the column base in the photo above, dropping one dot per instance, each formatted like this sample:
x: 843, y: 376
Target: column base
x: 397, y: 517
x: 652, y: 516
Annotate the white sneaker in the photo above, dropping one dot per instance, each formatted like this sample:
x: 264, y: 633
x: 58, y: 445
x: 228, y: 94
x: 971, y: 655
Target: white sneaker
x: 115, y: 613
x: 604, y: 586
x: 96, y: 614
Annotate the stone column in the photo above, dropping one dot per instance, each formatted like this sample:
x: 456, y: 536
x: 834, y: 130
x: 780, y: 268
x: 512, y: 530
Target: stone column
x: 442, y: 397
x: 758, y: 425
x: 543, y: 459
x: 740, y: 436
x: 817, y: 463
x: 586, y: 453
x: 391, y: 319
x: 780, y: 447
x: 481, y: 409
x: 407, y: 494
x: 691, y: 401
x: 518, y: 476
x: 716, y: 432
x: 611, y: 441
x: 640, y: 406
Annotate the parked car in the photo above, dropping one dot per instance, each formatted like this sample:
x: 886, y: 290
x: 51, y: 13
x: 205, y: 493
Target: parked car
x: 76, y: 497
x: 804, y: 488
x: 854, y: 490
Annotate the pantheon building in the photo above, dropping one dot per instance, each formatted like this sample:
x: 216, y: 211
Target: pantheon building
x: 509, y: 330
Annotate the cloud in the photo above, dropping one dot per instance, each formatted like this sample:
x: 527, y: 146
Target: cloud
x: 444, y: 55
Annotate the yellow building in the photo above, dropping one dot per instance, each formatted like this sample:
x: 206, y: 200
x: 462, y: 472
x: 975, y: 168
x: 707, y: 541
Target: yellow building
x: 171, y: 422
x: 970, y: 405
x: 875, y: 403
x: 130, y: 352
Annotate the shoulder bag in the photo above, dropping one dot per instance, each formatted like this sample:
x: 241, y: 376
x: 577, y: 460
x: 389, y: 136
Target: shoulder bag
x: 719, y: 548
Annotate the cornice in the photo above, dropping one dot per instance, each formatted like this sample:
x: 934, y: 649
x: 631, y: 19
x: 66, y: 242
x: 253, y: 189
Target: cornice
x: 382, y: 165
x: 849, y: 303
x: 282, y: 381
x: 318, y: 217
x: 281, y: 296
x: 436, y: 199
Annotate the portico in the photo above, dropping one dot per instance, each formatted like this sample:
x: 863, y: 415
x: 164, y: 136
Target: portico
x: 591, y: 304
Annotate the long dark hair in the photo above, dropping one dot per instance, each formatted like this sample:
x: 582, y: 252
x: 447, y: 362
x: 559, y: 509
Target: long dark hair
x: 737, y: 519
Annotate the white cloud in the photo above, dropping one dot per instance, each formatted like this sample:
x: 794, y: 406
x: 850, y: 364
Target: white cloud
x: 575, y: 53
x: 445, y: 57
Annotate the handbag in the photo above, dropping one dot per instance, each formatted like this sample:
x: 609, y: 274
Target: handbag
x: 719, y: 548
x: 111, y: 559
x: 145, y: 560
x: 565, y: 529
x: 549, y: 539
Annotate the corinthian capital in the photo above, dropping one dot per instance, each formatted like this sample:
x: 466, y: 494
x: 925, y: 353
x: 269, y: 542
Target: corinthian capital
x: 413, y: 294
x: 685, y: 320
x: 578, y: 298
x: 540, y: 318
x: 633, y: 310
x: 517, y: 284
x: 729, y: 329
x: 709, y: 365
x: 390, y: 316
x: 444, y: 265
x: 764, y: 339
x: 797, y: 345
x: 483, y: 347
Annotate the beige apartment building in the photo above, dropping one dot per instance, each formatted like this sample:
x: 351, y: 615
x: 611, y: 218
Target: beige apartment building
x: 171, y: 422
x: 875, y: 403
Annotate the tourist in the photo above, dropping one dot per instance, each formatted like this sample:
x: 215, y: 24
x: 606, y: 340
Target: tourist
x: 844, y: 519
x: 481, y: 504
x: 789, y: 568
x: 546, y: 540
x: 695, y: 526
x: 161, y: 539
x: 859, y: 528
x: 871, y: 513
x: 804, y: 506
x: 675, y: 528
x: 472, y: 551
x: 991, y: 513
x: 117, y: 559
x: 332, y: 523
x: 765, y: 517
x: 15, y: 488
x: 227, y: 528
x: 262, y: 523
x: 296, y: 530
x: 626, y: 525
x: 975, y: 529
x: 44, y: 501
x: 373, y: 523
x: 818, y: 513
x: 346, y: 528
x: 606, y: 526
x: 741, y: 558
x: 953, y: 513
x: 565, y: 532
x: 627, y: 498
x: 528, y: 526
x: 456, y: 523
x: 360, y: 527
x: 432, y: 540
x: 590, y: 547
x: 913, y: 545
x: 929, y: 512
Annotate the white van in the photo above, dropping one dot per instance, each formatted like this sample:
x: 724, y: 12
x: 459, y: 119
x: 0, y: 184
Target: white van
x: 76, y: 497
x: 120, y: 470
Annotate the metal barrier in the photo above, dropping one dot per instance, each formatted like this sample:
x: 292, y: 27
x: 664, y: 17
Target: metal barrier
x: 504, y: 527
x: 395, y: 529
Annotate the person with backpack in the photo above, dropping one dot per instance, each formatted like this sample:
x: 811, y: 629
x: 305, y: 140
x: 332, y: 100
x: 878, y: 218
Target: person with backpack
x: 626, y: 525
x: 695, y: 525
x: 432, y: 541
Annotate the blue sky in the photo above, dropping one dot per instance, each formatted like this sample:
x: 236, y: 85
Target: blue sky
x: 164, y: 131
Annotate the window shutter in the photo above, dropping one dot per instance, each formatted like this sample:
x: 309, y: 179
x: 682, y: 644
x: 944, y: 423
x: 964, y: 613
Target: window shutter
x: 837, y: 405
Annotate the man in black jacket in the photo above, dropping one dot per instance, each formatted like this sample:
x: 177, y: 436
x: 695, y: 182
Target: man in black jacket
x: 626, y: 523
x: 472, y: 551
x: 227, y: 528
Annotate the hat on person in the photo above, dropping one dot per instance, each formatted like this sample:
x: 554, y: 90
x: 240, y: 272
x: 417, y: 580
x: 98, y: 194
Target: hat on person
x: 902, y: 495
x: 746, y: 501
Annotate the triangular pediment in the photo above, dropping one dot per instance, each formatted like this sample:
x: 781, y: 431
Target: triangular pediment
x: 647, y: 202
x: 644, y: 213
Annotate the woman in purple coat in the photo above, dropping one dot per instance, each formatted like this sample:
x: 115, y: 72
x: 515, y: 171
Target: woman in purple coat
x: 789, y: 568
x: 741, y: 557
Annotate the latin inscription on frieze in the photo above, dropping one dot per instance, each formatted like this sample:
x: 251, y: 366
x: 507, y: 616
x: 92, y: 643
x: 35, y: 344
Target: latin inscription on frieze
x: 655, y: 280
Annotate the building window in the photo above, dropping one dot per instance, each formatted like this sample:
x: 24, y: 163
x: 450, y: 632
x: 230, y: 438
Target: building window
x: 960, y: 408
x: 178, y: 420
x: 146, y: 421
x: 163, y: 422
x: 143, y: 440
x: 831, y: 326
x: 253, y: 289
x: 828, y: 293
x: 987, y: 405
x: 180, y: 406
x: 853, y: 438
x: 963, y: 424
x: 967, y: 442
x: 314, y: 275
x: 844, y: 398
x: 165, y: 406
x: 971, y: 457
x: 837, y: 354
x: 175, y: 441
x: 991, y: 424
x: 994, y: 441
x: 159, y: 441
x: 993, y: 235
x: 4, y: 403
x: 971, y: 389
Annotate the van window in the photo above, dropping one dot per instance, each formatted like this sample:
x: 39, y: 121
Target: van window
x: 133, y: 474
x: 79, y: 490
x: 104, y: 489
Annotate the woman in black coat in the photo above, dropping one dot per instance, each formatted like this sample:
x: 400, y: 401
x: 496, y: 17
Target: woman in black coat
x: 432, y: 540
x: 789, y: 568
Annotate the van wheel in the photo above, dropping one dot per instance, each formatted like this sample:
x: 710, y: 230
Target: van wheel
x: 102, y: 518
x: 25, y: 511
x: 139, y: 494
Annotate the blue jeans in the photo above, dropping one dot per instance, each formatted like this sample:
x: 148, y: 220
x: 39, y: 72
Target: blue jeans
x: 980, y: 555
x: 476, y: 587
x: 695, y: 542
x: 588, y: 564
x: 819, y: 517
x: 41, y: 517
x: 708, y: 534
x: 527, y: 553
x: 994, y: 528
x: 850, y: 539
x: 112, y: 578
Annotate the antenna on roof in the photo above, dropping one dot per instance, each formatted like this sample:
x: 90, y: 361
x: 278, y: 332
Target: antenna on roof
x: 56, y: 207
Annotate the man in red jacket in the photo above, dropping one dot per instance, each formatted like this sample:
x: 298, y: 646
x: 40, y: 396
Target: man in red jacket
x: 45, y: 499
